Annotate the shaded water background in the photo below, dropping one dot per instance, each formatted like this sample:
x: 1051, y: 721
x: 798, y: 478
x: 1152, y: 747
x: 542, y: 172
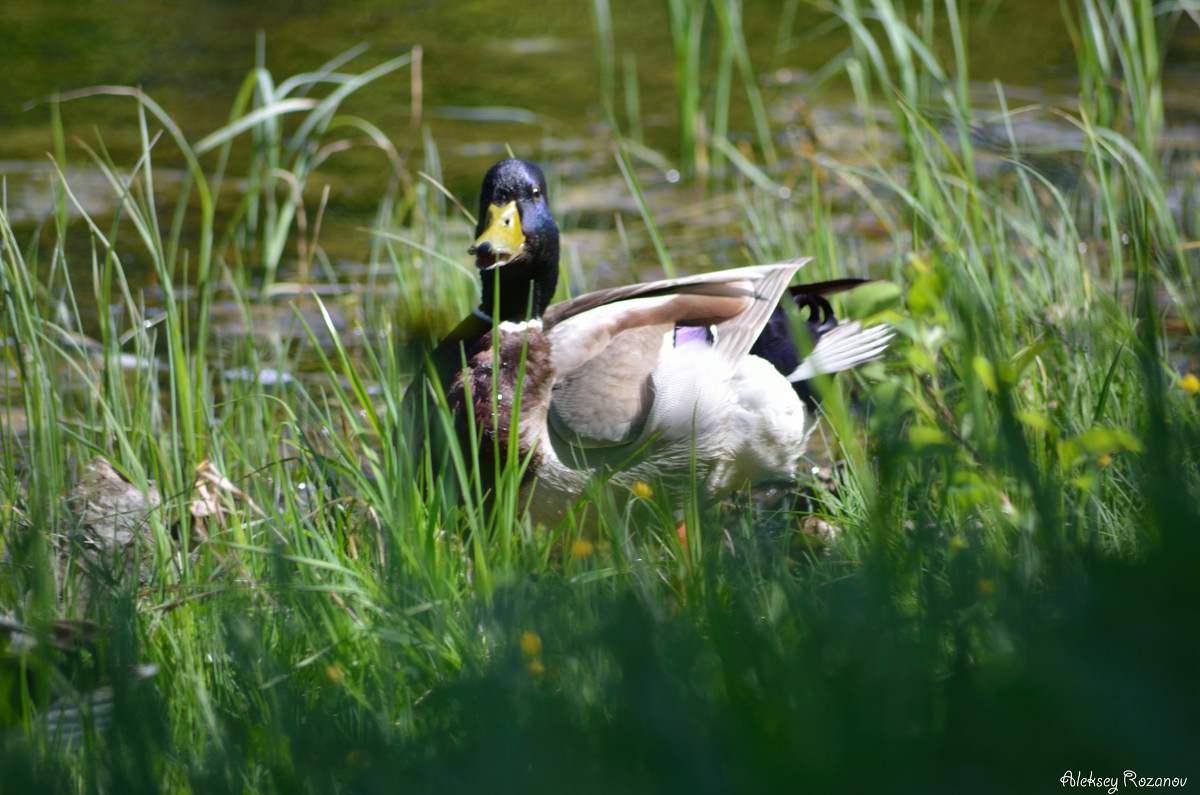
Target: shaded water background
x: 539, y: 57
x: 538, y: 61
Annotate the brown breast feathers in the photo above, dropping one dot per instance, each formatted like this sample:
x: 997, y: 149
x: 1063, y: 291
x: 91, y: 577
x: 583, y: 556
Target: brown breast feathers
x: 495, y: 381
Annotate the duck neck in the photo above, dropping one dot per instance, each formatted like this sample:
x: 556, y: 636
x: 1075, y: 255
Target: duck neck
x: 522, y: 294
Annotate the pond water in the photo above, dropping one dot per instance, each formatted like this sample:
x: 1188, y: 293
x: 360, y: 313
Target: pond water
x: 541, y: 58
x: 540, y: 61
x: 491, y: 76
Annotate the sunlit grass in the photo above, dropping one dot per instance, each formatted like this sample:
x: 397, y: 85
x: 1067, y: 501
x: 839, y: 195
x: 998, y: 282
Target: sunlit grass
x: 1004, y: 550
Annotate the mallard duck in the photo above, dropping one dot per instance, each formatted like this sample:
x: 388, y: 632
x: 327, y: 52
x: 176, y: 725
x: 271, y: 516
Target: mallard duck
x: 661, y: 382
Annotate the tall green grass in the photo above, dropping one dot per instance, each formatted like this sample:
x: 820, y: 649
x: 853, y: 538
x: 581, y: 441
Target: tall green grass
x: 1007, y: 597
x: 704, y: 33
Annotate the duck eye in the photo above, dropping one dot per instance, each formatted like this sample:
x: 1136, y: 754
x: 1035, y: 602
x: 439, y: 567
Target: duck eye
x: 537, y: 191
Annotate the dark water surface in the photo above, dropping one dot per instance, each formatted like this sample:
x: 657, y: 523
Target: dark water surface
x: 537, y: 57
x: 491, y: 75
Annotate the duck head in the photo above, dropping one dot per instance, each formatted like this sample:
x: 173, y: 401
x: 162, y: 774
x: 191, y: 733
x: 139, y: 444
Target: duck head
x: 516, y: 242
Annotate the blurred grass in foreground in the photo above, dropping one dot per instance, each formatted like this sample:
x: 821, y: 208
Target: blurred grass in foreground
x: 1012, y: 592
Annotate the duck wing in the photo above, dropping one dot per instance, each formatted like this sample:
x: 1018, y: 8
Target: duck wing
x: 737, y: 302
x: 606, y: 347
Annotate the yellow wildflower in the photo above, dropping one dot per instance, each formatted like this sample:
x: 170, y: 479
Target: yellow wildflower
x: 531, y: 643
x: 1104, y: 459
x: 535, y: 667
x: 642, y: 489
x: 1190, y: 384
x: 357, y: 758
x: 582, y: 548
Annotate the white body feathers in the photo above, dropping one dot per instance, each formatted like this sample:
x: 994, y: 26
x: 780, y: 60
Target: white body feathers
x: 628, y: 403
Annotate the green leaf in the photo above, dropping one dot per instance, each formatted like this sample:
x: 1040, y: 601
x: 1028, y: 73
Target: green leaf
x: 871, y: 299
x: 920, y: 360
x: 925, y: 294
x: 1108, y: 440
x: 1026, y: 356
x: 1085, y: 482
x: 1096, y: 442
x: 927, y: 440
x: 968, y: 489
x: 1036, y: 421
x: 985, y: 372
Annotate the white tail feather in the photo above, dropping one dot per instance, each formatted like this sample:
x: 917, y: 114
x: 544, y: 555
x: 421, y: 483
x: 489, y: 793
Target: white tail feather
x: 846, y: 346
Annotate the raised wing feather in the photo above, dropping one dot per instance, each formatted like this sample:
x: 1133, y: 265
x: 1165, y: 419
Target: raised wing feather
x: 702, y: 283
x: 606, y: 345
